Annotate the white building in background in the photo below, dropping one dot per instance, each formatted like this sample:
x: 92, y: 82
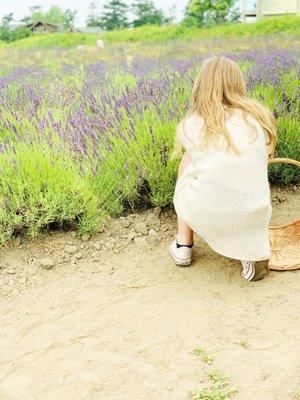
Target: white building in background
x: 268, y: 8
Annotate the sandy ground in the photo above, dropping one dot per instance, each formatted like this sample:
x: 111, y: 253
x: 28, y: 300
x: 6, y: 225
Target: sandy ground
x: 124, y: 326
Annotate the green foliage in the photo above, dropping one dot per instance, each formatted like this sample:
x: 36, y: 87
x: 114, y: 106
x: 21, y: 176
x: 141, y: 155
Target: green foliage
x: 288, y: 127
x: 203, y: 354
x: 219, y: 383
x: 54, y: 15
x: 9, y: 35
x: 288, y: 24
x: 48, y: 186
x: 93, y: 16
x: 207, y: 13
x: 69, y: 18
x: 14, y: 34
x: 70, y: 39
x: 288, y: 146
x: 114, y: 15
x: 219, y: 389
x: 155, y: 34
x: 145, y: 13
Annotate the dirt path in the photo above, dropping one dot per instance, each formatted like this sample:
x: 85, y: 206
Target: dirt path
x: 122, y: 323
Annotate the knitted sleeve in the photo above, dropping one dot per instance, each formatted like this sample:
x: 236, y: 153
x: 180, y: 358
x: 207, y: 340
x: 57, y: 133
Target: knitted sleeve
x: 189, y: 132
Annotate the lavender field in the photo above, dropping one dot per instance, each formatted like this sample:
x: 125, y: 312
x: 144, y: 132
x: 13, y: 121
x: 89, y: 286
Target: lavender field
x: 85, y: 134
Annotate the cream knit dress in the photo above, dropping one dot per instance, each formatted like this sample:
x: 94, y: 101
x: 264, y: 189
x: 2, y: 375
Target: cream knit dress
x: 224, y: 197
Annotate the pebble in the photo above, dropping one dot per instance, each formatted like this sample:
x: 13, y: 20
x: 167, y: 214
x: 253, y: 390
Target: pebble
x: 70, y: 248
x: 110, y: 245
x: 141, y: 227
x: 140, y: 241
x: 17, y: 241
x: 78, y: 256
x: 97, y: 246
x: 32, y: 270
x: 11, y: 271
x: 131, y: 236
x: 85, y: 238
x: 152, y: 232
x: 47, y: 263
x: 157, y: 210
x: 126, y: 223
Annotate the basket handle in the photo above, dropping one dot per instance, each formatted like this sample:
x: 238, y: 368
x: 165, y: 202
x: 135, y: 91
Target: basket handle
x: 285, y: 161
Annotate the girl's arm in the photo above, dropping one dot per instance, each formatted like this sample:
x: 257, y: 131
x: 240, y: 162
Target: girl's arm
x: 185, y: 160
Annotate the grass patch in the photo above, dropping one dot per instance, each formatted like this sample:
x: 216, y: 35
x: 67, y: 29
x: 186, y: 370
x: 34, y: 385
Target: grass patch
x: 285, y: 24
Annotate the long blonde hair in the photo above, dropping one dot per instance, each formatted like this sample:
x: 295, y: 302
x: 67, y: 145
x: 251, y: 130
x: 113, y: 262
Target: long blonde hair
x: 220, y: 88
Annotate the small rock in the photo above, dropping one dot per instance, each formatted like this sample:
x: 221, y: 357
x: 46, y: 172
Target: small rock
x: 131, y: 236
x: 70, y: 249
x: 152, y: 220
x: 110, y: 245
x: 97, y: 246
x: 32, y: 270
x: 152, y: 232
x: 78, y: 256
x: 126, y: 223
x: 152, y: 240
x: 85, y: 238
x: 138, y: 218
x: 157, y: 210
x: 111, y: 271
x: 73, y: 234
x: 140, y: 241
x: 11, y: 271
x: 47, y: 263
x: 141, y: 227
x: 17, y: 241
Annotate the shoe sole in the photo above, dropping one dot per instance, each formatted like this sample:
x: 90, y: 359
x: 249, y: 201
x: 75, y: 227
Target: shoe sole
x: 180, y: 262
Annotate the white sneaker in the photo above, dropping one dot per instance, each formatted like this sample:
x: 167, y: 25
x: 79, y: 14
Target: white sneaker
x: 181, y: 255
x: 254, y: 270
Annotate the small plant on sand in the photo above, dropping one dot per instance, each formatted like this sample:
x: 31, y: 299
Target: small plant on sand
x: 204, y: 356
x: 218, y: 390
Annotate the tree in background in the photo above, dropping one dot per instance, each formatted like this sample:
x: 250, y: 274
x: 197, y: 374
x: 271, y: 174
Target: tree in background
x: 115, y: 15
x: 146, y: 13
x: 69, y: 18
x: 54, y: 15
x: 93, y: 18
x: 8, y: 33
x: 210, y: 12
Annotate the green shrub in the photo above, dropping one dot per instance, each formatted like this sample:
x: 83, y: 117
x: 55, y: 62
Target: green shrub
x: 288, y: 146
x: 40, y: 186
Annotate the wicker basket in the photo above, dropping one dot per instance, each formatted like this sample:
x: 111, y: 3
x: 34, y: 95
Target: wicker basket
x: 285, y: 239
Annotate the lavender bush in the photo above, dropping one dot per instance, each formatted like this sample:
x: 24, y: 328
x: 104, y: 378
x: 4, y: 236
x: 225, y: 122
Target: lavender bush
x: 83, y: 140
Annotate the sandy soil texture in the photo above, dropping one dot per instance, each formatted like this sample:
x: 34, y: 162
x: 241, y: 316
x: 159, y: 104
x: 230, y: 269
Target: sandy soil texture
x: 112, y: 318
